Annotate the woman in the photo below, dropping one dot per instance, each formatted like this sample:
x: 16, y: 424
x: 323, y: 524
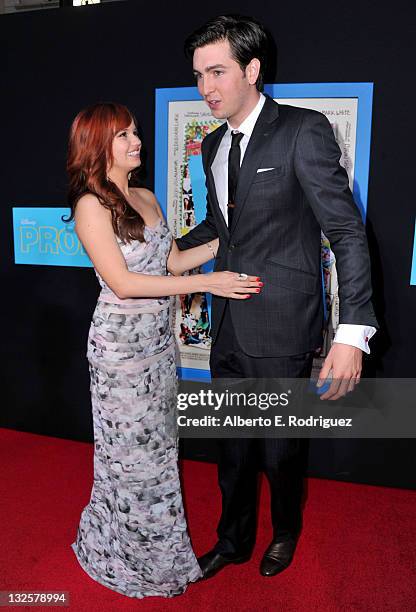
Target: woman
x: 132, y: 535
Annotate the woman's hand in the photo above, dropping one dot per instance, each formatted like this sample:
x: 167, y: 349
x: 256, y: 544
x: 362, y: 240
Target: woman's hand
x: 233, y: 285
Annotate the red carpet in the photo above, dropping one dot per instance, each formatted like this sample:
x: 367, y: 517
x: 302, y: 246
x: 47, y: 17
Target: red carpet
x: 357, y: 550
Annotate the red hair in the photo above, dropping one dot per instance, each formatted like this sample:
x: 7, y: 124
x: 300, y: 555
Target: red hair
x: 90, y: 154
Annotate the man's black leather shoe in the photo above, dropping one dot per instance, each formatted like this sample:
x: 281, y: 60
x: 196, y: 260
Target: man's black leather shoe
x: 212, y: 562
x: 277, y: 557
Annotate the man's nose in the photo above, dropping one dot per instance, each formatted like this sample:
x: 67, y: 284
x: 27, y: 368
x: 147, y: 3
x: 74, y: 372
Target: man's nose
x: 206, y: 86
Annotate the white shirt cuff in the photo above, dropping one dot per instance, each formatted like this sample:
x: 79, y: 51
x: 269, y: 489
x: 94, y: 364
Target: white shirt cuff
x: 355, y: 335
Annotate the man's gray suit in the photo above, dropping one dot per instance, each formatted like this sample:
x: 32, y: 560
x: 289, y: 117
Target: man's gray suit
x: 276, y: 235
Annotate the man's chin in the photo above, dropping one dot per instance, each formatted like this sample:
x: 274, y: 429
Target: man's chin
x: 220, y: 116
x: 217, y: 113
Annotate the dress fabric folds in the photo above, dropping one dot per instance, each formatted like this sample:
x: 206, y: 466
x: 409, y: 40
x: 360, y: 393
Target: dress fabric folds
x: 132, y: 535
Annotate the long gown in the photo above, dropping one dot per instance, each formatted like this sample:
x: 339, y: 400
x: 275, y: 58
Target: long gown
x: 133, y: 535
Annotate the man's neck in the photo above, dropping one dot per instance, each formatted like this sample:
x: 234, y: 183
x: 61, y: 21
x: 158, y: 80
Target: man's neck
x: 238, y: 119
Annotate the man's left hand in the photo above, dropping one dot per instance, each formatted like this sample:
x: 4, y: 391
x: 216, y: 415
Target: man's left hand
x: 345, y: 362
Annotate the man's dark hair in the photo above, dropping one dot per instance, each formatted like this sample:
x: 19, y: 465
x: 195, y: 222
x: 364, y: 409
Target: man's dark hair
x: 246, y: 36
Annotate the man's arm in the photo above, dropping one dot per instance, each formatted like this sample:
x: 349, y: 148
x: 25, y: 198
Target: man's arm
x: 204, y: 232
x: 325, y: 184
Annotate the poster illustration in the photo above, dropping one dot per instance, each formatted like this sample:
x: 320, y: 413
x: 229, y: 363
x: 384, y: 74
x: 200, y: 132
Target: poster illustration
x: 181, y: 190
x: 189, y: 123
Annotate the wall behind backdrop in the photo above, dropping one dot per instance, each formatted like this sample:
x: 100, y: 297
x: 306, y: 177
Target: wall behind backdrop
x: 59, y: 61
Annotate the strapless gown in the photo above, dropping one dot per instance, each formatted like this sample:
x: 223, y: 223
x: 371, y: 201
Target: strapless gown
x: 133, y: 535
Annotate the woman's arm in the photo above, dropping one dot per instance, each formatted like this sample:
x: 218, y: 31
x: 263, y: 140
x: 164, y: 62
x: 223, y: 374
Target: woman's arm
x: 180, y: 261
x: 94, y: 229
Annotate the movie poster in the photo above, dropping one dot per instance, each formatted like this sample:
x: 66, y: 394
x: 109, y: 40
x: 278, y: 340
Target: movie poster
x: 188, y: 123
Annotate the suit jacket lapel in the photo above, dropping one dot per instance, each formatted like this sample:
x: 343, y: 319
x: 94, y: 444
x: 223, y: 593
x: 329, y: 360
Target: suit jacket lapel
x: 260, y: 137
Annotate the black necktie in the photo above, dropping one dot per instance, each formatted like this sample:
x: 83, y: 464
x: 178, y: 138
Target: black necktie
x: 233, y: 170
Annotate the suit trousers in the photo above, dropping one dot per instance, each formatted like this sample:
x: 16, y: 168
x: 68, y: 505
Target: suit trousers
x: 240, y: 459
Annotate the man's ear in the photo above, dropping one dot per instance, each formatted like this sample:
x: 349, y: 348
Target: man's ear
x: 252, y: 71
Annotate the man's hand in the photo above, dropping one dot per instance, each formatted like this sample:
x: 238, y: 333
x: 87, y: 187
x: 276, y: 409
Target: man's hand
x: 345, y: 362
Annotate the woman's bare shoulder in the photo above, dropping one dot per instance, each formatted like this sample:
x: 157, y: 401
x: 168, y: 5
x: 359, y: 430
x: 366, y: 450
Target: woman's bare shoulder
x: 88, y: 201
x: 89, y: 207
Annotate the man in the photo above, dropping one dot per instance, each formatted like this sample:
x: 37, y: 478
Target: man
x: 273, y: 180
